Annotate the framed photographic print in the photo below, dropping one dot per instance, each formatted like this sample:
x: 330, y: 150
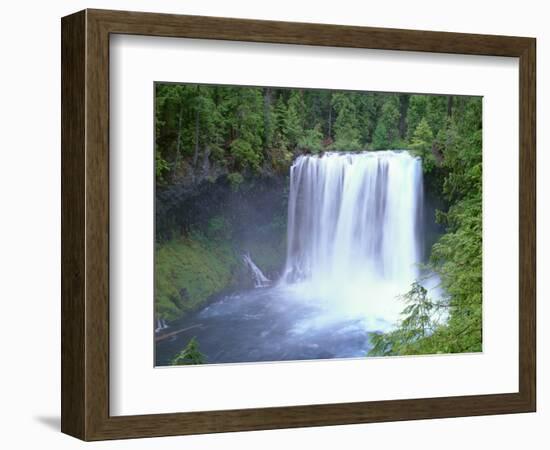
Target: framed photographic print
x: 270, y: 224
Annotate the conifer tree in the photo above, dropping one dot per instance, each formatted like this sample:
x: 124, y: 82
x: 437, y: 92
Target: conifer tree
x: 346, y: 131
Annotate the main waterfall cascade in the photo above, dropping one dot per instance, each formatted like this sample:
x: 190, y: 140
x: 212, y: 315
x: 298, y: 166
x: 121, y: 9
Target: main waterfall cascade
x: 355, y: 231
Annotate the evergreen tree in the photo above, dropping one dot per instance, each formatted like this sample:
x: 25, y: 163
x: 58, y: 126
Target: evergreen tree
x: 436, y: 112
x: 248, y: 123
x: 346, y: 127
x: 367, y: 111
x: 386, y: 134
x: 292, y: 121
x: 418, y: 105
x: 421, y: 144
x: 280, y: 135
x: 190, y: 355
x: 311, y: 140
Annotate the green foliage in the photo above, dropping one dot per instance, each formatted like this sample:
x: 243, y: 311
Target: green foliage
x: 235, y: 179
x: 190, y: 355
x: 281, y: 159
x: 386, y: 133
x: 280, y: 139
x: 431, y: 108
x: 161, y: 165
x: 219, y: 228
x: 418, y: 105
x: 436, y: 111
x: 207, y: 131
x: 311, y: 139
x: 368, y: 112
x: 292, y: 120
x: 346, y: 127
x: 415, y: 331
x: 245, y: 155
x: 190, y: 270
x: 457, y: 255
x: 421, y: 145
x: 249, y: 115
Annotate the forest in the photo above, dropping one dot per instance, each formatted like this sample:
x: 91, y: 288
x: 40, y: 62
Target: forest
x: 222, y: 153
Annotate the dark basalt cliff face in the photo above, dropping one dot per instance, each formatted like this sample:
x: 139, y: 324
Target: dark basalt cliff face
x: 247, y: 208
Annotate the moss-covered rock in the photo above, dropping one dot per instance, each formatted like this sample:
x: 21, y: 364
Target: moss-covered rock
x: 188, y: 271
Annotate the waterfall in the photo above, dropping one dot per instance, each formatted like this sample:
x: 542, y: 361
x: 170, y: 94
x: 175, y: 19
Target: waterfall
x: 161, y: 325
x: 260, y: 280
x: 354, y: 227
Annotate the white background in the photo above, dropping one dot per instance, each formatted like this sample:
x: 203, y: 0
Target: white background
x: 136, y: 387
x: 30, y: 230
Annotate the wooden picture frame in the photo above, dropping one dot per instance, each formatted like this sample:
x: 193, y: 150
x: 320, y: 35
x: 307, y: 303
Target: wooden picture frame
x: 85, y: 224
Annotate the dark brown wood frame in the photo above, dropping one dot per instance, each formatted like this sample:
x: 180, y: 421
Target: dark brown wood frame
x: 85, y: 224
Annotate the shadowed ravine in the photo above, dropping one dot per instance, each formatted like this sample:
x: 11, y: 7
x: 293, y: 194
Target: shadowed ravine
x: 354, y: 244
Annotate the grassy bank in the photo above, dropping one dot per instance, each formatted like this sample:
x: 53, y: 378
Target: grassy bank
x: 189, y: 270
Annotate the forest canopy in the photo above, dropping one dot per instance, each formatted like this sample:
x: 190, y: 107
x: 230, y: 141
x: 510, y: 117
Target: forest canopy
x: 203, y: 131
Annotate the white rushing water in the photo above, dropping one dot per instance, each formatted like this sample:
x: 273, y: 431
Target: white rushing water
x: 354, y: 232
x: 260, y: 280
x: 161, y: 325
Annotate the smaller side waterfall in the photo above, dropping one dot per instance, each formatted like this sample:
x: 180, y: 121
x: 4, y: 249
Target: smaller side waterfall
x: 161, y: 325
x: 260, y: 280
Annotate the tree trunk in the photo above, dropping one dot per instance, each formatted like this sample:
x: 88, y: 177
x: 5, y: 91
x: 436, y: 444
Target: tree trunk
x: 449, y: 106
x: 330, y: 116
x: 206, y: 161
x: 197, y: 132
x: 178, y: 143
x: 267, y: 118
x: 178, y: 147
x: 403, y: 109
x: 197, y: 127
